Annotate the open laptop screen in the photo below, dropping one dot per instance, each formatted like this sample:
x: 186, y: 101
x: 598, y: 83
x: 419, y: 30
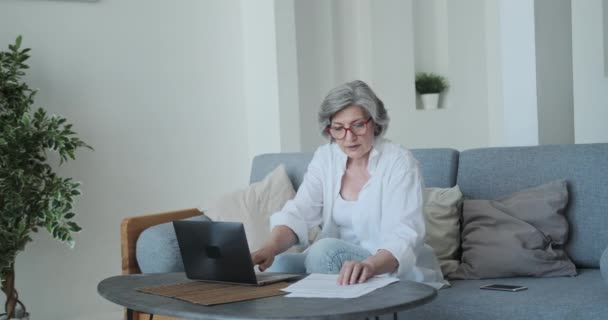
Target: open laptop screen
x: 215, y: 251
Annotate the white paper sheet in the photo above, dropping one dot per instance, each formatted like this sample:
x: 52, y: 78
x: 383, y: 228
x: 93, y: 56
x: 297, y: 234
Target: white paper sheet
x: 318, y: 285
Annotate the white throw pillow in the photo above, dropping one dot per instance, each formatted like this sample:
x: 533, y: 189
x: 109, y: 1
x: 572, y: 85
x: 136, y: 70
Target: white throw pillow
x: 254, y: 205
x: 442, y: 215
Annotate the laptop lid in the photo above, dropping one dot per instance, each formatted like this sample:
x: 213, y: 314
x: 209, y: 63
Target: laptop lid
x: 215, y: 251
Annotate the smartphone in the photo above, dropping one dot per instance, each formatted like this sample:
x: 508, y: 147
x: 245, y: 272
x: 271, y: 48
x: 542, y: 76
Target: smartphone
x: 503, y: 287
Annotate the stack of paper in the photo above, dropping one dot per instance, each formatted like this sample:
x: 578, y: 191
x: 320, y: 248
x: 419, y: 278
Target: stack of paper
x: 318, y: 285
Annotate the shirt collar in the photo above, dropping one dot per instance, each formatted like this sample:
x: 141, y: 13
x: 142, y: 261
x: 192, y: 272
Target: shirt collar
x: 372, y: 162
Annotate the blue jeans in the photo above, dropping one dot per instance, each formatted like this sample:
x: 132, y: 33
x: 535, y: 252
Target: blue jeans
x: 324, y: 256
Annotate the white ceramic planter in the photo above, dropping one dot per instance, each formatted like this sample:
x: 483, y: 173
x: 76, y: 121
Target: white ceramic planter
x: 18, y: 317
x: 430, y: 100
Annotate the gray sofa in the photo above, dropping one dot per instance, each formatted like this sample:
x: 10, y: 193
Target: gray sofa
x: 487, y: 174
x: 492, y: 172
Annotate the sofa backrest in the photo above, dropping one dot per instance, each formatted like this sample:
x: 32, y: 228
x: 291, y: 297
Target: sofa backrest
x: 490, y: 173
x: 438, y: 166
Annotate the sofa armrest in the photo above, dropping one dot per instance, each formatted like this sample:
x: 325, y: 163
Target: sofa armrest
x: 132, y: 227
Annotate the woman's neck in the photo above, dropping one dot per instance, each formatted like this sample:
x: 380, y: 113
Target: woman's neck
x: 357, y: 164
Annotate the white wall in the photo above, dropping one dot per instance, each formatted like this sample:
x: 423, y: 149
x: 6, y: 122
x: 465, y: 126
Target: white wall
x: 590, y: 81
x: 156, y: 87
x: 528, y: 72
x: 508, y: 62
x: 375, y: 41
x: 260, y: 76
x: 466, y: 119
x: 438, y: 36
x: 487, y: 50
x: 553, y: 38
x: 605, y: 31
x: 393, y: 64
x: 529, y: 65
x: 493, y: 53
x: 431, y: 44
x: 270, y: 76
x: 352, y: 40
x: 287, y: 63
x: 518, y: 72
x: 315, y: 44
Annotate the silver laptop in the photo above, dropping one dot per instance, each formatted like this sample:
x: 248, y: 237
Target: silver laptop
x: 218, y: 252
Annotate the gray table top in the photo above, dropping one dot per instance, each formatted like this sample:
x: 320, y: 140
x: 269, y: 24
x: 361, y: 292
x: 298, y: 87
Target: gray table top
x: 395, y: 297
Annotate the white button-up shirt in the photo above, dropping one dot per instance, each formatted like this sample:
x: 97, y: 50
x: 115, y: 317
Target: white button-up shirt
x: 390, y: 215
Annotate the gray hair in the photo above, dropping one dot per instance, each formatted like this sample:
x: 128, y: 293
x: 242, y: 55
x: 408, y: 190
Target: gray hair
x: 353, y: 93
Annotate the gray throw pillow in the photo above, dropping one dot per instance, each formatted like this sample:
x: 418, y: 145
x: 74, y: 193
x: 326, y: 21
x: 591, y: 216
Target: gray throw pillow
x: 157, y: 250
x: 519, y: 235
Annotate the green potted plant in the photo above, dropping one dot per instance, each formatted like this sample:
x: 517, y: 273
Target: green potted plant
x: 430, y: 85
x: 32, y: 195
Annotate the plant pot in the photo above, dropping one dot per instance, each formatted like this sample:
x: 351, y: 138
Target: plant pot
x: 18, y: 316
x: 430, y: 100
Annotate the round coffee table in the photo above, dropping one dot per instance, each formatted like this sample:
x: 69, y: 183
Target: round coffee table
x: 395, y: 297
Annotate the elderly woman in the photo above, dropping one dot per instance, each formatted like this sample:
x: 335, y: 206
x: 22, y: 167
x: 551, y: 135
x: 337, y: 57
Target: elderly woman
x: 366, y: 194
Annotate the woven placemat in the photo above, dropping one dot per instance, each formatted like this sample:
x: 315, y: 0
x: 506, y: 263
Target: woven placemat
x: 212, y: 293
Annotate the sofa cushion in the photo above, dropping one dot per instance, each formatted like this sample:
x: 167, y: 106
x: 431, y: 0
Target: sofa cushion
x: 438, y: 166
x: 442, y: 217
x: 254, y: 205
x: 580, y: 297
x: 519, y: 235
x: 604, y: 265
x: 295, y: 163
x: 490, y: 173
x: 157, y: 249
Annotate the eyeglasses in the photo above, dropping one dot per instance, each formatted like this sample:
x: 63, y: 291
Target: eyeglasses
x: 357, y: 128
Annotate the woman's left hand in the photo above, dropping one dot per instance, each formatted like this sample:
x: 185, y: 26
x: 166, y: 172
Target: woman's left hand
x: 353, y: 272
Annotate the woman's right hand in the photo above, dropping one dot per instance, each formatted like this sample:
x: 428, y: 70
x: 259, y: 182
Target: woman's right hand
x: 263, y: 257
x: 281, y: 238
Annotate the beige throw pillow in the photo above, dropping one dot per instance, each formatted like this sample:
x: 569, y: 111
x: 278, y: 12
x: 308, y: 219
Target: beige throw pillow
x: 254, y: 205
x: 442, y: 215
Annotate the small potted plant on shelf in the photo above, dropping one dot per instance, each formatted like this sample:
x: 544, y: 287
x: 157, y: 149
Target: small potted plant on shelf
x: 430, y: 85
x: 32, y: 195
